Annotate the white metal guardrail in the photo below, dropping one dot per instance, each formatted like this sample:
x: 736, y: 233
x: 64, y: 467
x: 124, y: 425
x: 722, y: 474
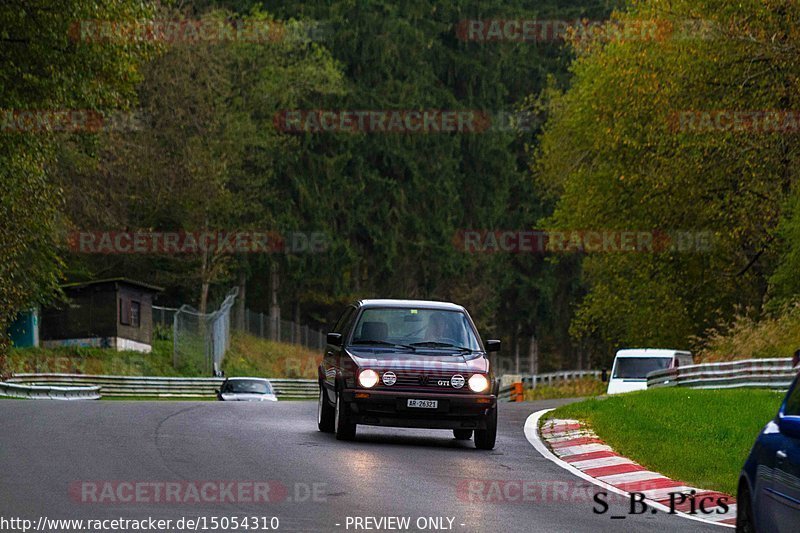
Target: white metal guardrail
x: 550, y: 378
x: 296, y: 388
x: 179, y: 387
x: 162, y: 387
x: 761, y: 373
x: 15, y: 390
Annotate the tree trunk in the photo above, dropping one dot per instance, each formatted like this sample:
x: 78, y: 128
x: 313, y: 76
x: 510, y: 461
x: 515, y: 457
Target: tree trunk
x: 204, y: 279
x: 274, y: 308
x: 533, y: 354
x: 297, y: 336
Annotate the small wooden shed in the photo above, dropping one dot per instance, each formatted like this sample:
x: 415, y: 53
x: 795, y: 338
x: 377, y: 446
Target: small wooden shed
x: 111, y: 313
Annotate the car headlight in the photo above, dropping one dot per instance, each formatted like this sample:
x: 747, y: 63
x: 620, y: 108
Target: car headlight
x: 478, y: 383
x: 368, y: 378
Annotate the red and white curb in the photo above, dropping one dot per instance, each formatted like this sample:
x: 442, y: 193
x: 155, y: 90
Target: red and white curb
x: 580, y: 451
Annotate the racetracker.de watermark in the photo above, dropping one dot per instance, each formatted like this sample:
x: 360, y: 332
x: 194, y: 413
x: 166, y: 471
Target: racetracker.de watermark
x: 416, y: 121
x: 527, y: 491
x: 68, y: 121
x: 114, y: 492
x: 558, y: 30
x: 198, y: 31
x: 723, y: 120
x: 536, y: 241
x: 196, y: 242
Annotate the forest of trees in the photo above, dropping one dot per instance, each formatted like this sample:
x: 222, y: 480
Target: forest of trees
x: 600, y: 150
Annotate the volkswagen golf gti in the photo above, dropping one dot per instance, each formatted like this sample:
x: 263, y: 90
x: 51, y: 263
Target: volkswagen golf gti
x: 408, y: 363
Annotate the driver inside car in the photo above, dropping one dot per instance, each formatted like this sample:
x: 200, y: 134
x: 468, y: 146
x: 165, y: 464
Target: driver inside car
x: 437, y: 326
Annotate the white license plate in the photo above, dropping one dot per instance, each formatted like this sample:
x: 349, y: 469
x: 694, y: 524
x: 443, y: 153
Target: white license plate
x: 425, y: 404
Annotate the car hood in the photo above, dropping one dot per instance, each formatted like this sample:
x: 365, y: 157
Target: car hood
x: 472, y: 362
x: 248, y: 397
x: 619, y: 386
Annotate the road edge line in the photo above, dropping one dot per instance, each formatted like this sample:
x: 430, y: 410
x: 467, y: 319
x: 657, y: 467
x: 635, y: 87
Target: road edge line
x: 531, y: 430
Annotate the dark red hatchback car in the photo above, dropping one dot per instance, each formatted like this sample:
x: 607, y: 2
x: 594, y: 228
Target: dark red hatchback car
x: 408, y: 363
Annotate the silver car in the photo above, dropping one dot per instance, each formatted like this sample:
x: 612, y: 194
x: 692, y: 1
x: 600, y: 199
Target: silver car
x: 246, y: 390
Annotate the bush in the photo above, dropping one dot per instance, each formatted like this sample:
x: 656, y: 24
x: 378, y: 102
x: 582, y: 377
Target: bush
x: 751, y: 337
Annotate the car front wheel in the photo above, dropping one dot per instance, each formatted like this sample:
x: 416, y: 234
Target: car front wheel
x: 325, y: 413
x: 344, y: 429
x: 744, y: 512
x: 485, y: 438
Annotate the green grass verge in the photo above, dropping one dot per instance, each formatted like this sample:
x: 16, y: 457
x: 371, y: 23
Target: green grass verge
x: 76, y: 360
x: 701, y: 437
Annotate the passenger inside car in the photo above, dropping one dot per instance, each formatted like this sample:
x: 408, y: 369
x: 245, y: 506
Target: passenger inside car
x: 374, y: 331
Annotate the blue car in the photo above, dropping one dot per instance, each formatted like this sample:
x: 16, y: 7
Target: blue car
x: 769, y: 486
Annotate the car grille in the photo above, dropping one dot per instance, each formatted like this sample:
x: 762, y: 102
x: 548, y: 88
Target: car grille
x: 427, y: 380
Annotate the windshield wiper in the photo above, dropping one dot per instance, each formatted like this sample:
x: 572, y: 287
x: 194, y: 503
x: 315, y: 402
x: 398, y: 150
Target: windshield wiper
x: 436, y: 344
x: 384, y: 343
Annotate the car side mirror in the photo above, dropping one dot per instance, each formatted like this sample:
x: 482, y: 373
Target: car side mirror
x: 216, y: 391
x: 789, y: 426
x: 334, y: 338
x: 493, y: 345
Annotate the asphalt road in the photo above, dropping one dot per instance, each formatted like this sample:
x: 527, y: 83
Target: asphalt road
x: 49, y: 448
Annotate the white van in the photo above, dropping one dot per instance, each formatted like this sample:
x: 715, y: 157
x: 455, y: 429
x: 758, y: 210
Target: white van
x: 631, y: 367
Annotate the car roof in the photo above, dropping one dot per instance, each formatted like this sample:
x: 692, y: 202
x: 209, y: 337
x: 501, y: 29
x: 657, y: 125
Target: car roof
x: 422, y: 304
x: 249, y: 379
x: 650, y: 352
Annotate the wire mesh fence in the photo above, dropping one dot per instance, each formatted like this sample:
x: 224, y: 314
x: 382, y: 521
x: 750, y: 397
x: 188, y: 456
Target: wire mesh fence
x: 261, y: 325
x: 200, y: 340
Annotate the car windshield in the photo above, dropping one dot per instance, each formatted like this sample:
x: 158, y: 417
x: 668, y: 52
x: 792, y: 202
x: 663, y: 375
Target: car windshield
x: 250, y: 386
x: 417, y: 328
x: 639, y: 367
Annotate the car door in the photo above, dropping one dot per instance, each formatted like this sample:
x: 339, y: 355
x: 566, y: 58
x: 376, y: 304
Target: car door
x: 786, y: 474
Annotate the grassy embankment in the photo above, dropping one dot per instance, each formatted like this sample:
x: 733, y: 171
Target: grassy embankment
x: 701, y: 437
x: 248, y: 355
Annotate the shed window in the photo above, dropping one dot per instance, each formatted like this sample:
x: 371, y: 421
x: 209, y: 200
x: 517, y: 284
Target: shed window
x: 135, y: 308
x: 129, y: 312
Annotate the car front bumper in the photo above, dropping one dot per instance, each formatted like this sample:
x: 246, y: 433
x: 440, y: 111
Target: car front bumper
x: 390, y: 408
